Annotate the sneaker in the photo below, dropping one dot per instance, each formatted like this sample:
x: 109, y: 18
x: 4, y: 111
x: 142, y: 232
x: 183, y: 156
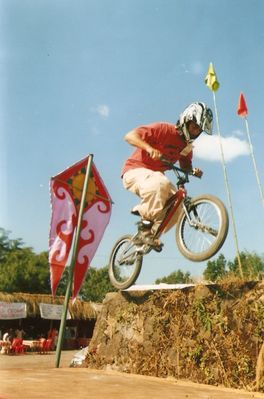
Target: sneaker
x: 149, y: 239
x: 155, y: 243
x: 158, y: 247
x: 144, y: 225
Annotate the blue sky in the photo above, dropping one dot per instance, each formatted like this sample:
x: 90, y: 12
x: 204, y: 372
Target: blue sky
x: 77, y: 75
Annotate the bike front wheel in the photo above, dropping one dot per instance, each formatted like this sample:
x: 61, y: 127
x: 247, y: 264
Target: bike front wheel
x: 125, y: 263
x: 201, y: 233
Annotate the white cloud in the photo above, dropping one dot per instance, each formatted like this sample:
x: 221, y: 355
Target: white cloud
x: 238, y: 133
x: 208, y: 148
x: 102, y: 110
x: 197, y: 68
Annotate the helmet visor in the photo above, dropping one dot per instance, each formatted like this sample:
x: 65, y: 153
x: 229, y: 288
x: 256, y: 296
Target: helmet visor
x: 207, y: 125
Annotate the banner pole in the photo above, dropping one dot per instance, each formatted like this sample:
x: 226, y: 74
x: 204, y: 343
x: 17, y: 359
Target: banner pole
x: 254, y: 162
x: 228, y: 190
x: 73, y: 260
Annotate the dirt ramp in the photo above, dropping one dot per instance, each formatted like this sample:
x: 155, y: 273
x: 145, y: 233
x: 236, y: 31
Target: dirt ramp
x: 208, y: 334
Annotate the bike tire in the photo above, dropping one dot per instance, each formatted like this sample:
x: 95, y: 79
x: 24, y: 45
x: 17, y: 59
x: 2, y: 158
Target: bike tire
x: 197, y: 245
x: 116, y: 271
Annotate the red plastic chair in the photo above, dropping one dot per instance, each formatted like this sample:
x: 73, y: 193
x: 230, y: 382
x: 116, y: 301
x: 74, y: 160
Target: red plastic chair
x: 17, y: 346
x: 48, y: 345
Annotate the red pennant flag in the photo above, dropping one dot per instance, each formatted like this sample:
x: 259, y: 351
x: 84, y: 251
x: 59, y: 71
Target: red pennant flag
x: 242, y: 106
x: 66, y: 191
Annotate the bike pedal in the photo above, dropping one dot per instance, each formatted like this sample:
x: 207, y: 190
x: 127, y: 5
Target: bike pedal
x: 158, y: 248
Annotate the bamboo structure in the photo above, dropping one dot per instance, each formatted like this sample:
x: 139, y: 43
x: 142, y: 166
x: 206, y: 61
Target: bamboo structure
x: 79, y: 310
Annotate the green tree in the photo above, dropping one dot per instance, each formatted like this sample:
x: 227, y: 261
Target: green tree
x: 7, y: 245
x: 176, y: 277
x: 252, y: 266
x: 215, y: 269
x: 21, y: 270
x: 96, y: 285
x: 24, y: 271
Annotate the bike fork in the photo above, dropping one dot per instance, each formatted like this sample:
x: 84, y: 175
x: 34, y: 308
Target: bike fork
x: 187, y: 214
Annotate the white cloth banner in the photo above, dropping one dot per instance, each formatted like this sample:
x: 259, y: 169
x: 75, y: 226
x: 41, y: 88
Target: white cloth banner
x: 13, y: 310
x: 52, y: 312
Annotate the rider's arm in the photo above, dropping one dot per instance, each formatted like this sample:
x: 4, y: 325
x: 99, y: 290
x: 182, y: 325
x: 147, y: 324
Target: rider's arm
x: 186, y: 165
x: 134, y: 139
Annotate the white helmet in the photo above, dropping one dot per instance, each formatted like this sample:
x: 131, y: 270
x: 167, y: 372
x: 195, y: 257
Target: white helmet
x: 200, y: 114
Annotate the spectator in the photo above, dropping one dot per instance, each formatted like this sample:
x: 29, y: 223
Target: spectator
x: 53, y: 334
x: 20, y: 333
x: 6, y: 337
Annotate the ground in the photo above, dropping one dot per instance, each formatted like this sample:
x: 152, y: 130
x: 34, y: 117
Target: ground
x: 208, y: 334
x: 34, y: 376
x: 153, y: 344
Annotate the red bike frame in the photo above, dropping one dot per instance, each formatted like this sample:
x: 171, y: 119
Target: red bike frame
x: 173, y: 204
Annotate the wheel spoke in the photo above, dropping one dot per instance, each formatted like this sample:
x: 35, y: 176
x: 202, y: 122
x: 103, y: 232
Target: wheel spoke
x: 125, y: 263
x: 201, y: 236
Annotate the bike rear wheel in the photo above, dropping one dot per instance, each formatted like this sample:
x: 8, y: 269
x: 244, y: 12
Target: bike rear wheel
x: 200, y: 238
x: 125, y: 263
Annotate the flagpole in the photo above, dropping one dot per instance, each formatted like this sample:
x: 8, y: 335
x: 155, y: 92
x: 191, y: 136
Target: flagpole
x: 73, y: 260
x: 228, y: 188
x: 254, y: 162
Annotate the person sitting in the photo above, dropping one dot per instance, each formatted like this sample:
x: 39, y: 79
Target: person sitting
x: 7, y: 339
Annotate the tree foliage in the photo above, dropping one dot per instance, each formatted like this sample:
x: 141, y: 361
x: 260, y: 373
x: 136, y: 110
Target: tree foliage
x: 215, y: 269
x: 21, y: 270
x: 96, y: 285
x: 252, y: 267
x: 176, y: 277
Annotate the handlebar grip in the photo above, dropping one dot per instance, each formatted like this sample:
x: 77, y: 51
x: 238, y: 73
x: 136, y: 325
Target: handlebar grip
x: 165, y: 160
x: 193, y: 174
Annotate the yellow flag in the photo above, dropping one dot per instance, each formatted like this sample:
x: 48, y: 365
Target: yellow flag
x: 211, y: 79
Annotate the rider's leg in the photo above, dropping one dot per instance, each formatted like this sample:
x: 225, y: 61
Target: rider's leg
x: 154, y: 189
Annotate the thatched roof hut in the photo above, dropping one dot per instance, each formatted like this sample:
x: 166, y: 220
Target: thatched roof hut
x: 79, y: 310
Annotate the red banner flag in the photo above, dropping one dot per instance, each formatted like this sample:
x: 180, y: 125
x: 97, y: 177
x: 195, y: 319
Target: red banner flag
x: 66, y: 191
x: 242, y: 106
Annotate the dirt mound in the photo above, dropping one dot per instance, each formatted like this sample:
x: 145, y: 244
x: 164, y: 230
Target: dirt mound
x: 207, y: 334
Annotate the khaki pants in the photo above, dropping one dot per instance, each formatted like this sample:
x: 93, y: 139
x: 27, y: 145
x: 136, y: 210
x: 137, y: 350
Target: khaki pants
x: 153, y: 188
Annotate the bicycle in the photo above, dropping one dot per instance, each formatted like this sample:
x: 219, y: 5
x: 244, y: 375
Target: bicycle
x: 201, y: 230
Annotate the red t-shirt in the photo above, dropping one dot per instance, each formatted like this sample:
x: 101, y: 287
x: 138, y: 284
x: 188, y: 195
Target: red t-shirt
x: 165, y: 138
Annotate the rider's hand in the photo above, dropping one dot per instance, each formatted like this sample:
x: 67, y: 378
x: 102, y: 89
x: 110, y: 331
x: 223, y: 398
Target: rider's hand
x: 153, y: 153
x: 197, y: 172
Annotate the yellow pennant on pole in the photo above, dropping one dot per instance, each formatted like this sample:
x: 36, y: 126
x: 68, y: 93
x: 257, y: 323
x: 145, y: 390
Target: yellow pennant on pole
x: 211, y: 79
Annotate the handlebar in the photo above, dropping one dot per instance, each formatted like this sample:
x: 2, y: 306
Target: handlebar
x: 182, y: 175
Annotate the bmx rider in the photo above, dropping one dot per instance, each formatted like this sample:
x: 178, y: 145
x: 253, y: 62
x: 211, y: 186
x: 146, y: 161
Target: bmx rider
x: 143, y: 172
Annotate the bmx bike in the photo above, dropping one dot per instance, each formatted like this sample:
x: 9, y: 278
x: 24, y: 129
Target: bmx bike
x: 201, y: 229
